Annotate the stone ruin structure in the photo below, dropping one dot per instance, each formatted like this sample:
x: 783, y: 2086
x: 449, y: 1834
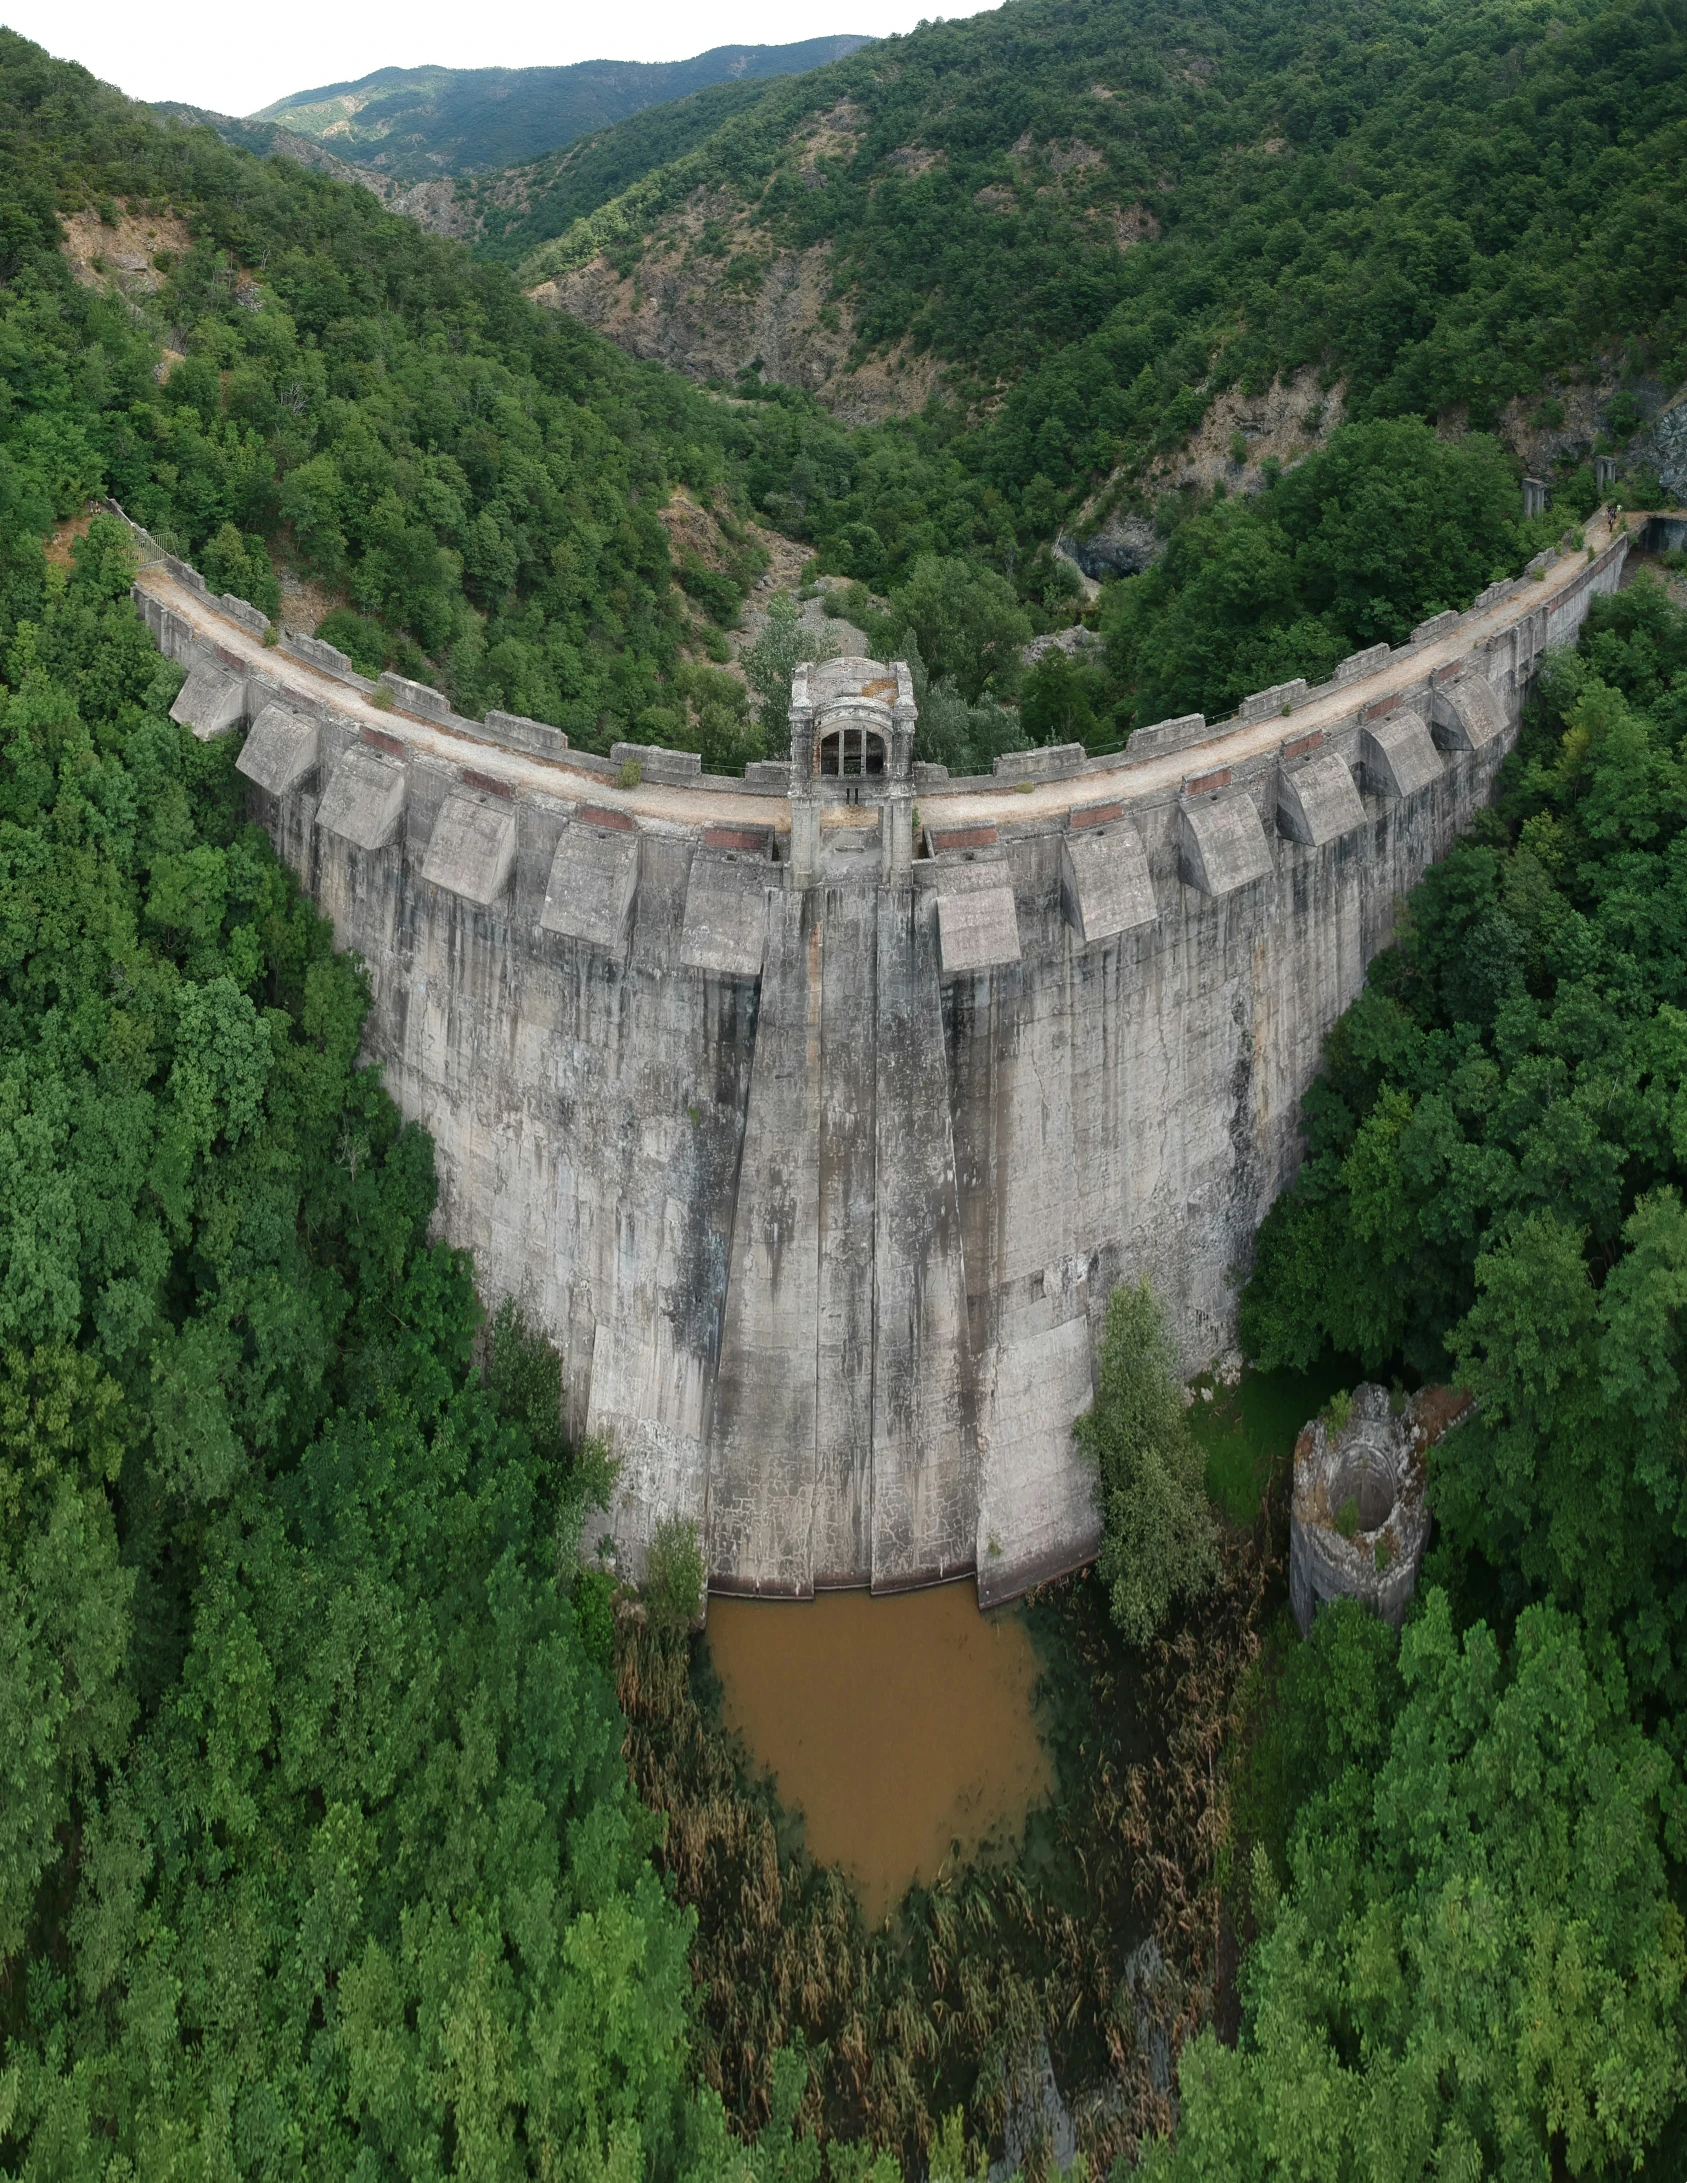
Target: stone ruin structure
x: 1358, y: 1525
x: 814, y: 1114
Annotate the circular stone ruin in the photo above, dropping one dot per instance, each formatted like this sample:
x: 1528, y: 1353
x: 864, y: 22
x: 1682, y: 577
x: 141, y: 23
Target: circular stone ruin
x: 1358, y: 1526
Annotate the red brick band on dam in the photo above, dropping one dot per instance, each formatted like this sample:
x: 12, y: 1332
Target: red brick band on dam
x: 815, y: 1114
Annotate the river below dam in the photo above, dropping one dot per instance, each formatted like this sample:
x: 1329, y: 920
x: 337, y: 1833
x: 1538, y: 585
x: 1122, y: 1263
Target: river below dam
x: 898, y: 1726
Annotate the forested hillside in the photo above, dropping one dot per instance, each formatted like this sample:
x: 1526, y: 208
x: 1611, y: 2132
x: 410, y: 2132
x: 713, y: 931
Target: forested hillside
x: 413, y: 122
x: 476, y: 487
x: 509, y: 214
x: 1467, y: 1884
x: 318, y: 1854
x: 487, y: 509
x: 1091, y: 223
x: 310, y: 1779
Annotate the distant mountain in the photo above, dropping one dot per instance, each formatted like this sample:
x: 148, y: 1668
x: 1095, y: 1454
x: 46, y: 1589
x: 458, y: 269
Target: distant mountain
x: 511, y: 213
x: 412, y: 123
x: 432, y: 202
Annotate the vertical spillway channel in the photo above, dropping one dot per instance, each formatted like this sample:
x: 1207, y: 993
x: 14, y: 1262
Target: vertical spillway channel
x: 762, y: 1435
x: 845, y: 1165
x: 844, y: 1449
x: 925, y: 1443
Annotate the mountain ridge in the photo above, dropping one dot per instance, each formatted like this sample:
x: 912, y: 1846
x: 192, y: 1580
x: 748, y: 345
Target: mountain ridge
x: 410, y: 123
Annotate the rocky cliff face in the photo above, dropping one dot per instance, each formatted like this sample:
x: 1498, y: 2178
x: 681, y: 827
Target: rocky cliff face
x: 711, y: 298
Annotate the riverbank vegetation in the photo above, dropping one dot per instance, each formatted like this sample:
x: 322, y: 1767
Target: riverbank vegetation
x: 1105, y: 1937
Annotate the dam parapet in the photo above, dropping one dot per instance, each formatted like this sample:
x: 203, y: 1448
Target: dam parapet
x: 815, y: 1113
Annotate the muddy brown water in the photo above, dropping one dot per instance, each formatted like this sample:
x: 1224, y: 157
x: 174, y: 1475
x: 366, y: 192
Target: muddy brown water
x: 897, y: 1726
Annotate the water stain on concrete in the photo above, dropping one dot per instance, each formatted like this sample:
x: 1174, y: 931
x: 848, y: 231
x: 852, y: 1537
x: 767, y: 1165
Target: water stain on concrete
x: 898, y: 1726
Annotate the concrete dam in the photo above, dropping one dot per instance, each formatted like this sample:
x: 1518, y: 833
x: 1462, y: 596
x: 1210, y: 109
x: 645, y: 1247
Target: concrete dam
x: 815, y: 1114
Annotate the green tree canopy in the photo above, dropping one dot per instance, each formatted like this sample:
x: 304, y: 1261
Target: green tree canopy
x: 1477, y: 1967
x: 1385, y: 526
x: 1159, y: 1544
x: 317, y: 1850
x: 968, y: 622
x: 1494, y: 1174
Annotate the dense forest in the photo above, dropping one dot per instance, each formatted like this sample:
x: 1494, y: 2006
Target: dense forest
x: 348, y: 1825
x: 479, y: 483
x: 480, y: 487
x: 518, y: 208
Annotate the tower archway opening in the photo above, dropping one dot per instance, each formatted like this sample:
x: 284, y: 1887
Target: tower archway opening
x: 852, y: 752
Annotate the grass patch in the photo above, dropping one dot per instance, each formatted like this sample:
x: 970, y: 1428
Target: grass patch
x: 1248, y: 1432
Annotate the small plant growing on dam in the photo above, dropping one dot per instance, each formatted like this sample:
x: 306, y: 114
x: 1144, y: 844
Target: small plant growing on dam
x: 673, y: 1575
x: 630, y: 774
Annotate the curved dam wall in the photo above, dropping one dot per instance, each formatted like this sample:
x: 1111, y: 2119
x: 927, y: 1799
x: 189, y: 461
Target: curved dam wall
x: 815, y: 1116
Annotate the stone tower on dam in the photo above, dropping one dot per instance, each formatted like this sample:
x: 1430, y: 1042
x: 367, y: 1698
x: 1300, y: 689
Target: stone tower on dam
x: 815, y: 1114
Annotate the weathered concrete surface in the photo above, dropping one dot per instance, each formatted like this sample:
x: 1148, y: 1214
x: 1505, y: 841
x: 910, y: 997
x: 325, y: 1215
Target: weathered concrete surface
x: 471, y: 851
x: 1317, y: 801
x: 1104, y: 884
x: 976, y: 920
x: 766, y: 1395
x: 364, y: 799
x: 1223, y: 844
x: 725, y: 912
x: 1397, y: 757
x: 210, y: 702
x: 1466, y: 714
x: 820, y: 1200
x: 282, y: 749
x: 593, y: 878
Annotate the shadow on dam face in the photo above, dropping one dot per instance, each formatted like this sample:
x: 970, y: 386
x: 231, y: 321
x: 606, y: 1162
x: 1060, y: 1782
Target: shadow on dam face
x: 898, y: 1725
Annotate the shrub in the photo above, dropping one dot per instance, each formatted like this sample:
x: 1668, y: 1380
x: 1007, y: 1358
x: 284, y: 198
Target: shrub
x: 1159, y: 1544
x: 774, y: 657
x: 673, y: 1575
x: 363, y: 642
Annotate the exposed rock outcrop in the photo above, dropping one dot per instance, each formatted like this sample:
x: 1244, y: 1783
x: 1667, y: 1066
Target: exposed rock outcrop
x: 1124, y: 545
x: 713, y: 305
x: 1662, y: 448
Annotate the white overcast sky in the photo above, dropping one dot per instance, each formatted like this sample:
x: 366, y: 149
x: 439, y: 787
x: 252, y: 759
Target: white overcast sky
x: 235, y: 56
